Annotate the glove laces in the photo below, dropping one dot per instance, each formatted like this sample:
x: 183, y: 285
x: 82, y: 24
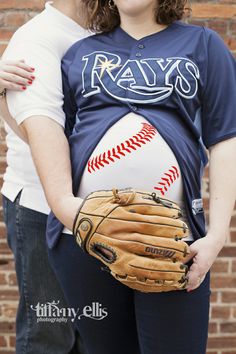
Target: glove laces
x: 123, y: 199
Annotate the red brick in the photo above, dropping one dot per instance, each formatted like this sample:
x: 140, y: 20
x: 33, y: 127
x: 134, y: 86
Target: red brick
x: 3, y: 166
x: 2, y: 48
x: 212, y: 11
x: 197, y: 22
x: 7, y: 327
x: 233, y: 236
x: 220, y: 266
x: 22, y: 4
x: 5, y: 34
x: 12, y: 279
x: 220, y: 312
x: 3, y: 342
x: 4, y: 249
x: 2, y: 132
x: 212, y: 327
x: 214, y: 296
x: 1, y: 182
x: 9, y: 295
x: 230, y: 42
x: 221, y: 342
x: 206, y: 203
x: 2, y: 230
x: 6, y: 264
x: 8, y: 310
x: 3, y: 280
x: 234, y: 266
x: 228, y: 296
x: 15, y: 19
x: 228, y: 251
x: 2, y: 20
x: 229, y: 327
x: 206, y: 173
x: 234, y: 312
x: 233, y: 221
x: 218, y: 25
x: 223, y: 282
x: 12, y: 342
x: 232, y: 27
x: 3, y: 149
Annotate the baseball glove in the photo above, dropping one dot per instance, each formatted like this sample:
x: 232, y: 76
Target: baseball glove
x: 137, y: 235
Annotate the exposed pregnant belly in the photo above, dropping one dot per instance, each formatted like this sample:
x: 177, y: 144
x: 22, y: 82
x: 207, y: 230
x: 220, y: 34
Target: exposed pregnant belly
x: 133, y: 154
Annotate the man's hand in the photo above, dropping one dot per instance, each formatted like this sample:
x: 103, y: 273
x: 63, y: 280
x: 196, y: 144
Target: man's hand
x: 203, y: 252
x: 15, y: 75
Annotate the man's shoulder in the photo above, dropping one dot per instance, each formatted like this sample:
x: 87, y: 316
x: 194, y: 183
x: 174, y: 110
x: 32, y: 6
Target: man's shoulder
x: 39, y: 34
x: 31, y: 30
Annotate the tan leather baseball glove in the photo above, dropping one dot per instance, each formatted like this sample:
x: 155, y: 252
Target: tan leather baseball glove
x: 137, y: 235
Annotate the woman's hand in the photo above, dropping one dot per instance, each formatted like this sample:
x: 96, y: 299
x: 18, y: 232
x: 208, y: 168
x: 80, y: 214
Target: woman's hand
x: 15, y: 75
x: 204, y: 253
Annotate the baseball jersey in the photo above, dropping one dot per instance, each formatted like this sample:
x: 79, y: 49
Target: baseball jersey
x: 42, y: 42
x: 182, y: 80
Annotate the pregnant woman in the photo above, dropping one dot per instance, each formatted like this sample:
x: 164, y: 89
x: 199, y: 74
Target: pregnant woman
x: 144, y: 98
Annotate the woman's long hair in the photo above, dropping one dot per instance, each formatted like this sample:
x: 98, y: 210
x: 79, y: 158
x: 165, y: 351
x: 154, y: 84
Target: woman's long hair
x: 101, y: 18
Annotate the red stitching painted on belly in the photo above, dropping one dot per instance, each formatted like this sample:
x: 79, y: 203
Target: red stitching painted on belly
x: 144, y: 136
x: 165, y: 183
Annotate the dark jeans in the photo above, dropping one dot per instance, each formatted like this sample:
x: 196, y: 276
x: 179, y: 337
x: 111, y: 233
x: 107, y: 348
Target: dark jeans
x: 37, y: 283
x: 175, y: 322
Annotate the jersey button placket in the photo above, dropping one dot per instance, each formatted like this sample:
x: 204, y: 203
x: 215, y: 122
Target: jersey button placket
x: 138, y: 54
x: 141, y: 46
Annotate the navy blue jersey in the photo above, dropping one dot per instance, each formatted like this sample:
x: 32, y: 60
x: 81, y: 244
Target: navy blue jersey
x: 182, y: 80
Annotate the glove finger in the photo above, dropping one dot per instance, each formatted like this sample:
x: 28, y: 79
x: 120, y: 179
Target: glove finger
x: 143, y: 224
x: 151, y: 286
x: 150, y: 198
x: 143, y: 245
x: 125, y: 214
x: 153, y: 209
x: 156, y: 247
x: 142, y: 202
x: 155, y: 269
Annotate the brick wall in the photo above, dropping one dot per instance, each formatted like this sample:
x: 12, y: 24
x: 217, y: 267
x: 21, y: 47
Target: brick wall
x: 220, y: 16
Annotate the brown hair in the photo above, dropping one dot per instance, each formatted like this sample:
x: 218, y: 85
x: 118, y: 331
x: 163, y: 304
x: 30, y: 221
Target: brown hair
x: 100, y: 18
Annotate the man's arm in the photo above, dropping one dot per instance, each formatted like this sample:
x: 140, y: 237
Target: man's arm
x: 5, y: 114
x: 16, y: 76
x: 50, y: 151
x: 39, y: 111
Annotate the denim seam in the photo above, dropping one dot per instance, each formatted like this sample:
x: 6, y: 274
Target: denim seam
x: 19, y: 241
x: 6, y: 217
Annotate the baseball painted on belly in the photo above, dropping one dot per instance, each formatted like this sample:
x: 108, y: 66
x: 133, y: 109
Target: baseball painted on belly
x: 132, y: 153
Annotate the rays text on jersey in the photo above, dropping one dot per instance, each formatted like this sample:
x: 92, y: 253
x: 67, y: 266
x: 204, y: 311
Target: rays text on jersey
x: 142, y: 81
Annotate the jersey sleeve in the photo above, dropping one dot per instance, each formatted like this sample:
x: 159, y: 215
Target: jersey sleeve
x: 69, y: 104
x: 219, y: 94
x: 44, y: 97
